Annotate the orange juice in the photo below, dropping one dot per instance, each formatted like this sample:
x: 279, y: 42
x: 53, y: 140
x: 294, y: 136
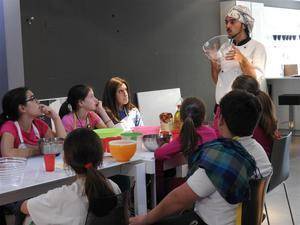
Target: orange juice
x: 122, y: 150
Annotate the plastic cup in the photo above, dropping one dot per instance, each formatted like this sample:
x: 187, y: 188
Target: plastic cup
x: 49, y: 160
x: 105, y: 142
x: 134, y: 136
x: 131, y: 135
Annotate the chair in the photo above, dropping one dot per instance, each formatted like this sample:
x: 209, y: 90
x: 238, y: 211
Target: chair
x: 109, y: 210
x: 252, y: 210
x: 2, y: 216
x: 280, y: 160
x: 152, y: 103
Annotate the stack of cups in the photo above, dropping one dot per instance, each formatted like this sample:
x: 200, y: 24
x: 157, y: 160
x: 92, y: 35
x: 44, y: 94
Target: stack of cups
x: 49, y: 157
x: 50, y: 147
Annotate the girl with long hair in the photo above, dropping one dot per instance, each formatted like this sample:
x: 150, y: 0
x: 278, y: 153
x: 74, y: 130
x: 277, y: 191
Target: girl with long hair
x: 117, y: 103
x: 192, y: 133
x: 69, y: 204
x: 83, y: 109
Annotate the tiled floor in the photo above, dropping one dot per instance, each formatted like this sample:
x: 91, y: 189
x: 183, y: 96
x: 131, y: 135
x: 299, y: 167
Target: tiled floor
x: 276, y: 201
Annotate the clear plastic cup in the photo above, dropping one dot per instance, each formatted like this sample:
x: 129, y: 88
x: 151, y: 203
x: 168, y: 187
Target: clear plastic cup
x: 12, y: 170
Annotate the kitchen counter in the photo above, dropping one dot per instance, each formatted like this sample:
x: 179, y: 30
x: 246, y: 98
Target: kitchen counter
x: 283, y: 78
x: 284, y: 85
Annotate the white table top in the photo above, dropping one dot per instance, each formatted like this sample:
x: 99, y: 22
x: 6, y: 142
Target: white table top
x: 148, y: 158
x: 35, y: 174
x: 36, y: 180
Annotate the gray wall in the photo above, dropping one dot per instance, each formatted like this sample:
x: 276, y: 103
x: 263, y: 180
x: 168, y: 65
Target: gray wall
x: 154, y: 44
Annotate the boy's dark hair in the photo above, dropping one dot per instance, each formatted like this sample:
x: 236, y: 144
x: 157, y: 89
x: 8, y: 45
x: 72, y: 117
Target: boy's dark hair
x: 241, y: 111
x: 268, y: 120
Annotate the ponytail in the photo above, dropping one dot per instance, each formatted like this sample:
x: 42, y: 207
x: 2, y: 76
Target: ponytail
x: 10, y: 104
x: 83, y: 153
x: 192, y: 113
x: 97, y: 187
x: 3, y: 119
x: 75, y: 94
x: 188, y: 137
x: 64, y: 109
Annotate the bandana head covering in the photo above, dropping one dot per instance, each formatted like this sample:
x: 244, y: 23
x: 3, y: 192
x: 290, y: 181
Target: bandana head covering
x: 243, y: 15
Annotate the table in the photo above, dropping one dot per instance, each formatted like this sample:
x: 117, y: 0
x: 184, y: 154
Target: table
x: 178, y: 161
x: 36, y: 181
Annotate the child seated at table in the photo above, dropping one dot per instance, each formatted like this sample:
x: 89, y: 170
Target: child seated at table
x: 83, y: 109
x: 20, y: 126
x: 192, y: 133
x: 266, y: 130
x: 215, y: 184
x: 117, y: 103
x: 69, y: 204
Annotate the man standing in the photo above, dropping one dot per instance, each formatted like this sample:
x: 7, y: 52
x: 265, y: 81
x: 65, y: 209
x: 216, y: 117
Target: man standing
x: 246, y: 56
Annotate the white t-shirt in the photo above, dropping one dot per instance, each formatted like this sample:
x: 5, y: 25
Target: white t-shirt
x: 259, y: 154
x: 66, y: 205
x: 230, y: 69
x: 211, y: 206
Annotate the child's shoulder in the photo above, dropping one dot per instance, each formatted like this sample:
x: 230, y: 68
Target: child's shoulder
x: 68, y: 119
x: 8, y: 123
x: 115, y: 187
x: 8, y: 126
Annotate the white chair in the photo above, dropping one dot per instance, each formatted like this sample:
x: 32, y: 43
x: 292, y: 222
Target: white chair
x: 152, y: 103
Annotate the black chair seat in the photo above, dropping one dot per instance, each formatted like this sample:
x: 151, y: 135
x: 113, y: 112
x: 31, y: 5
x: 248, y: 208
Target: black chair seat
x: 289, y: 99
x: 109, y: 210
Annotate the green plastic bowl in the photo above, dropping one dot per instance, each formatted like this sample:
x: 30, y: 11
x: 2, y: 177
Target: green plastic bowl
x: 108, y: 132
x: 131, y: 135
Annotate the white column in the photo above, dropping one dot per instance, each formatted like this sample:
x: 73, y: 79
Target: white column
x: 11, y: 50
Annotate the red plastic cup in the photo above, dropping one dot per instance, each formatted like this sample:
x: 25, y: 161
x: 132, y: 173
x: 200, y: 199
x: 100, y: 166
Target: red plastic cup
x: 49, y: 160
x: 105, y: 142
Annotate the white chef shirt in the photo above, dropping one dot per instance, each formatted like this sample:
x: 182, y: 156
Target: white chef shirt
x: 230, y: 69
